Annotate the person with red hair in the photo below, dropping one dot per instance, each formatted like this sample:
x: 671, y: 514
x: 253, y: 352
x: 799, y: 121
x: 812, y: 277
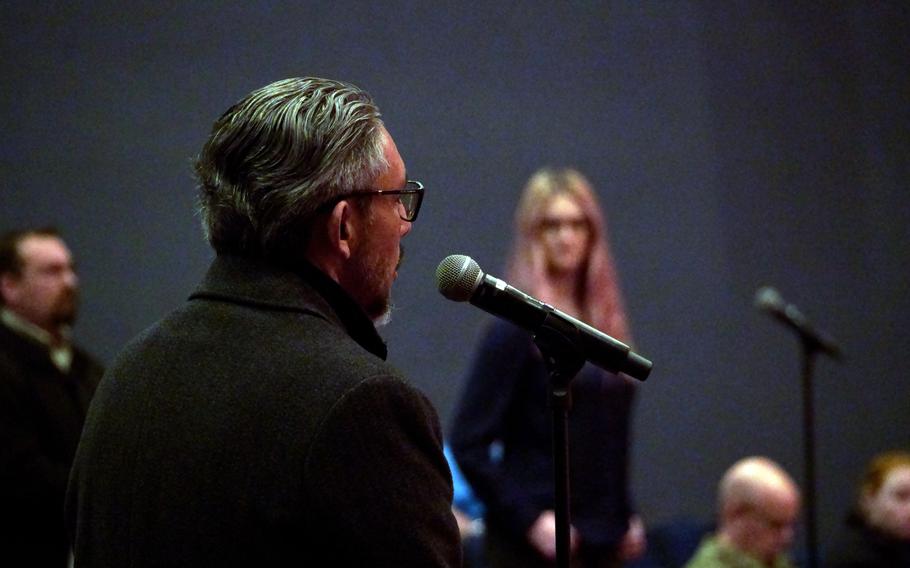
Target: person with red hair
x: 877, y: 532
x: 501, y: 434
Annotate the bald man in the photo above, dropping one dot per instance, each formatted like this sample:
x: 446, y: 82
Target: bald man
x: 758, y: 503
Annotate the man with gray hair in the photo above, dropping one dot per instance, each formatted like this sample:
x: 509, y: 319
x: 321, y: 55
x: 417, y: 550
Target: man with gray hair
x: 259, y: 424
x: 758, y: 504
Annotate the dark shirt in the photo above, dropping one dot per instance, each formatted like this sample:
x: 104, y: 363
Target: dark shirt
x: 42, y: 410
x: 259, y: 425
x: 505, y: 407
x: 857, y: 545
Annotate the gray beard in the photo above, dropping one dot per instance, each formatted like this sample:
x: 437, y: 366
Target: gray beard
x: 385, y: 318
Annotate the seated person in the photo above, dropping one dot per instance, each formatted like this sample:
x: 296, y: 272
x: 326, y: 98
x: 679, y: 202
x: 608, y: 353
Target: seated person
x: 877, y: 532
x: 758, y: 503
x: 468, y: 510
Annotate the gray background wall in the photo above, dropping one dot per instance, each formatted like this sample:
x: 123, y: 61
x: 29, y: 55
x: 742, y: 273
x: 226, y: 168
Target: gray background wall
x: 734, y: 144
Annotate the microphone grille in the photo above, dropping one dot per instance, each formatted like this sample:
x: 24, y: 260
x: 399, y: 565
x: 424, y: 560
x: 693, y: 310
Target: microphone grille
x: 457, y: 277
x: 767, y: 298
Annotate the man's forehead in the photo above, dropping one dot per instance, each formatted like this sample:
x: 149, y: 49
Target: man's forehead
x: 392, y: 155
x: 43, y: 248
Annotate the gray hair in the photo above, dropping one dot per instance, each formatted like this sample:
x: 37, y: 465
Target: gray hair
x: 274, y: 158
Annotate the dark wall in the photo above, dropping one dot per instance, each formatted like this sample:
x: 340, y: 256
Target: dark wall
x: 734, y: 144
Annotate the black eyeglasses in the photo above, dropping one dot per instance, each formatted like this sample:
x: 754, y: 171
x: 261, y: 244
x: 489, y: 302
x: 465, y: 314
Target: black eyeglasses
x: 410, y: 197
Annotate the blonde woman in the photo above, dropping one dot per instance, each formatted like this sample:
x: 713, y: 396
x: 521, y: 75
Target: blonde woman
x: 502, y: 431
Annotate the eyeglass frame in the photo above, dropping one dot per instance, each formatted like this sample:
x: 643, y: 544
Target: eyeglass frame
x: 418, y: 191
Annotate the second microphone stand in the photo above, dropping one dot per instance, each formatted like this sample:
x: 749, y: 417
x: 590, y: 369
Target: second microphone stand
x: 809, y: 351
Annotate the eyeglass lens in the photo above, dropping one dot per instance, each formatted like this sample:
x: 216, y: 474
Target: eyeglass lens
x: 409, y: 201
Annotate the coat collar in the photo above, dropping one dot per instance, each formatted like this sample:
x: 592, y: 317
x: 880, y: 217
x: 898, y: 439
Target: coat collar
x: 305, y: 289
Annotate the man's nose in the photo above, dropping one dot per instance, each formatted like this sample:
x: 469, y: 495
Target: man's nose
x: 787, y: 535
x: 70, y: 278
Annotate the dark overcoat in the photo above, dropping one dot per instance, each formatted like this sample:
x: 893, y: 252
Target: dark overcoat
x: 41, y: 413
x: 259, y: 425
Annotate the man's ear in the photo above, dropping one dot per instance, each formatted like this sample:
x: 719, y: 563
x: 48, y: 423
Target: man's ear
x: 341, y: 228
x: 731, y: 511
x: 331, y: 239
x: 8, y: 287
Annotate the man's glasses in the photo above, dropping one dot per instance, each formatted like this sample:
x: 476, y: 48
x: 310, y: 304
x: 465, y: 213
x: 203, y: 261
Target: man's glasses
x: 410, y: 197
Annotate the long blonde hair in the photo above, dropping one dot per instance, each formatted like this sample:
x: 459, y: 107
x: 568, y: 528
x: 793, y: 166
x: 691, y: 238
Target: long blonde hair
x: 598, y: 289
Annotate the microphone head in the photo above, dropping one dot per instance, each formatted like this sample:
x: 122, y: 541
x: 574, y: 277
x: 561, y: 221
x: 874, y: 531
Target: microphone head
x: 767, y: 298
x: 457, y: 276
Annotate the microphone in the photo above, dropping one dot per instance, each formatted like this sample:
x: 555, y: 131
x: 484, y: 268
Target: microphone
x: 769, y: 300
x: 460, y: 279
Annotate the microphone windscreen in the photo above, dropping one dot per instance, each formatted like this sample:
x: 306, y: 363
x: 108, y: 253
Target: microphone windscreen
x: 457, y: 276
x: 767, y: 298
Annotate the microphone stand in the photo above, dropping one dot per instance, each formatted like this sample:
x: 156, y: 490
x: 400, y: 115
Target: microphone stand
x: 812, y: 341
x: 811, y: 346
x: 809, y: 350
x: 563, y: 360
